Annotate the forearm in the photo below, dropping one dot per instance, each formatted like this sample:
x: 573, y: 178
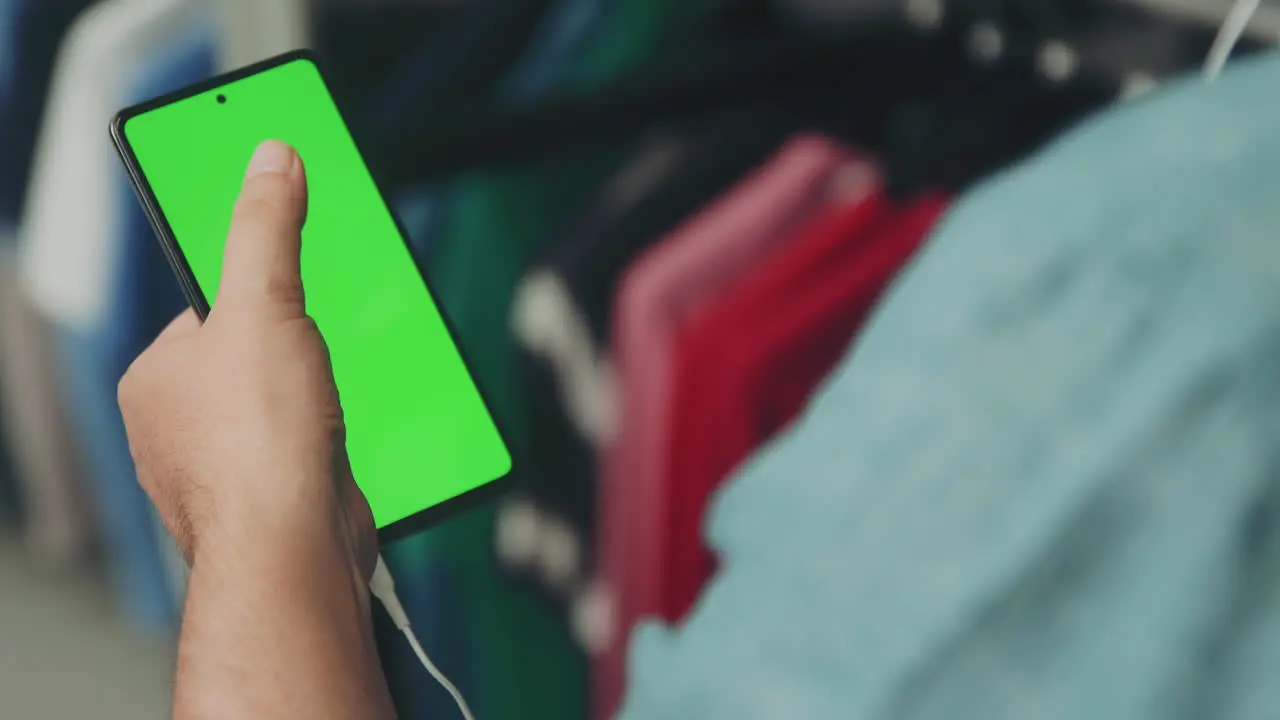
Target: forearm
x: 281, y: 628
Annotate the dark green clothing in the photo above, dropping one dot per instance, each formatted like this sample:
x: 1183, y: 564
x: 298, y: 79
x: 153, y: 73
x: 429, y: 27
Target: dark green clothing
x: 497, y: 219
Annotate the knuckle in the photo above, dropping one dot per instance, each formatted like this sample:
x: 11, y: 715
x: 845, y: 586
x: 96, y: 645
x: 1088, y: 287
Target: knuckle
x: 284, y: 290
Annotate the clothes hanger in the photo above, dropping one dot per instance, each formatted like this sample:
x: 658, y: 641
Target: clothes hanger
x: 1051, y: 63
x: 1244, y: 16
x: 982, y: 97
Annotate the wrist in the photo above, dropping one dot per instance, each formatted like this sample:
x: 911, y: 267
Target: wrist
x: 291, y: 577
x: 289, y: 527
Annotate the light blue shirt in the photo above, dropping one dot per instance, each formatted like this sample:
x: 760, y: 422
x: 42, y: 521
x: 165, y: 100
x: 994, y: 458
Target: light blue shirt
x: 1045, y: 483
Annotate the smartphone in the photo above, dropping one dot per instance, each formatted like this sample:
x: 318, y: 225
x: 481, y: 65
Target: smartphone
x: 422, y: 440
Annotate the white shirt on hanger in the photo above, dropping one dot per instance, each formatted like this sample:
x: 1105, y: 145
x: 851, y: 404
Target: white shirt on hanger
x: 70, y: 227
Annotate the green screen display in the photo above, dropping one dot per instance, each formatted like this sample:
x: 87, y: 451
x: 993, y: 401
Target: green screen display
x: 418, y: 431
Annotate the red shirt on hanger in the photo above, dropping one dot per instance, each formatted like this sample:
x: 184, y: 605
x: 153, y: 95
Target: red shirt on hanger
x: 748, y: 365
x: 670, y: 283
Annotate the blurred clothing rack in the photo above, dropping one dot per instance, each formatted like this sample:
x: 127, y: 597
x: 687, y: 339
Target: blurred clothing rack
x: 1109, y: 61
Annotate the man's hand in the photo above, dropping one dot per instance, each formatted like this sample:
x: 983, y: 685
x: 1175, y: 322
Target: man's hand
x: 235, y: 425
x: 237, y: 435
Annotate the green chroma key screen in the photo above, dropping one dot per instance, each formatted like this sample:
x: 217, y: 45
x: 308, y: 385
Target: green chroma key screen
x: 419, y: 433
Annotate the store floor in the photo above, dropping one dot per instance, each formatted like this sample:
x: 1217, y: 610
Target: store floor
x: 65, y: 655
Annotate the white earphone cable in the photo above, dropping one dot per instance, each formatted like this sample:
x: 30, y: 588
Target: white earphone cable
x: 435, y: 673
x: 383, y: 587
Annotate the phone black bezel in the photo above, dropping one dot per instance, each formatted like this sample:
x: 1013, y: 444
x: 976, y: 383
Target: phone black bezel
x: 423, y: 519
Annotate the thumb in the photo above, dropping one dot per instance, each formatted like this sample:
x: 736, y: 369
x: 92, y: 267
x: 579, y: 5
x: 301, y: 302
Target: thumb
x: 261, y: 265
